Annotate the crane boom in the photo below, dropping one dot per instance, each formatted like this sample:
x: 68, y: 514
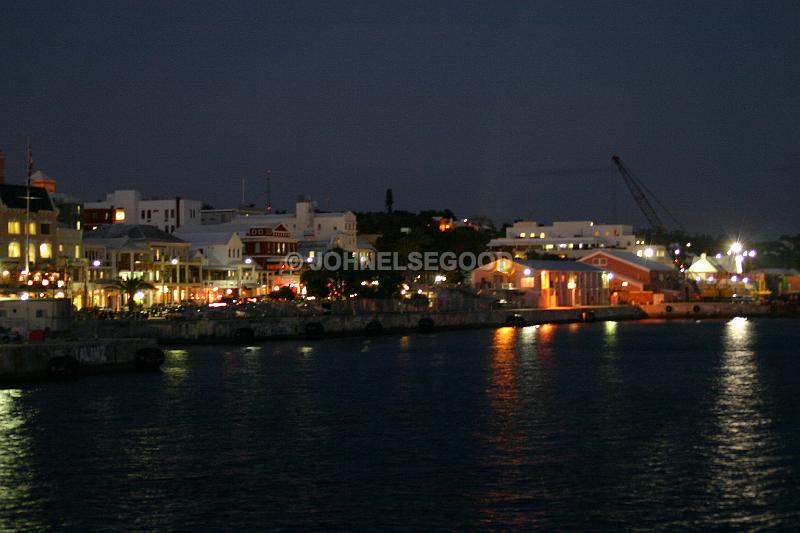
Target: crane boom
x: 639, y: 197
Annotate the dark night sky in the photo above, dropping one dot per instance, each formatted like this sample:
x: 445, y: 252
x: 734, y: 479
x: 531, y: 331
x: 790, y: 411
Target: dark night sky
x: 510, y: 111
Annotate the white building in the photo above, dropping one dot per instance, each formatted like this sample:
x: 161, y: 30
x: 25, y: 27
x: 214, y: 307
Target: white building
x: 226, y: 270
x: 314, y: 230
x: 166, y: 214
x: 573, y: 239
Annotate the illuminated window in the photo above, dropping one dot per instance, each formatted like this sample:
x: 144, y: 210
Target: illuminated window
x: 45, y: 250
x: 119, y: 215
x: 14, y: 250
x: 522, y: 235
x: 527, y: 282
x: 32, y: 228
x: 14, y: 227
x: 77, y: 251
x: 32, y: 253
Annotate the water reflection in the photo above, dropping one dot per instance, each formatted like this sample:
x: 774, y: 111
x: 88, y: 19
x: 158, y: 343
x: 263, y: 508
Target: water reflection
x: 507, y: 450
x: 176, y: 366
x: 15, y: 448
x: 545, y: 334
x: 610, y: 333
x: 502, y: 391
x: 744, y: 442
x: 610, y: 379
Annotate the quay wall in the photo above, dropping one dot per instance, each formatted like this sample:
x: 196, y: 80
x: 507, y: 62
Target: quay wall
x: 706, y: 310
x: 34, y: 360
x: 200, y: 330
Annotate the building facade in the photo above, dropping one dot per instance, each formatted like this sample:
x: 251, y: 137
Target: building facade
x: 635, y: 279
x: 226, y: 271
x: 32, y: 222
x: 535, y: 283
x: 312, y: 231
x: 128, y: 207
x: 572, y: 239
x: 141, y: 251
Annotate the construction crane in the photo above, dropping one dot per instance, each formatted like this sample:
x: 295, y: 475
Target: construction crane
x: 640, y: 195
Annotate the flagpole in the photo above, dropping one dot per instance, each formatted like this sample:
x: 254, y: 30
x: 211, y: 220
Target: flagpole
x: 28, y: 209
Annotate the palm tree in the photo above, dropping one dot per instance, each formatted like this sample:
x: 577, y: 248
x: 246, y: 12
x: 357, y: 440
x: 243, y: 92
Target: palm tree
x: 130, y: 286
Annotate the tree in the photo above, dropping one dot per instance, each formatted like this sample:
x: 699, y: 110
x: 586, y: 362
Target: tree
x: 389, y: 200
x: 130, y: 286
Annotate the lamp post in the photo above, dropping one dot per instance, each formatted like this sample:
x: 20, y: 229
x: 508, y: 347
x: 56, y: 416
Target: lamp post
x: 96, y: 264
x: 247, y: 262
x: 175, y: 262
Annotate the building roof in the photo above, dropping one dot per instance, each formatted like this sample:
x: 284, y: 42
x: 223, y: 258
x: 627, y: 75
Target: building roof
x: 555, y: 265
x: 200, y: 239
x: 629, y: 257
x: 711, y: 265
x: 134, y: 232
x: 13, y: 197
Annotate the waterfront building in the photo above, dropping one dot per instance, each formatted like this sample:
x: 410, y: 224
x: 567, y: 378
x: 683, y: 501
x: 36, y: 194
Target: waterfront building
x: 312, y: 230
x: 708, y: 268
x: 538, y: 283
x: 40, y: 233
x: 635, y: 279
x: 128, y: 207
x: 69, y: 234
x: 142, y: 251
x: 572, y: 239
x: 227, y: 269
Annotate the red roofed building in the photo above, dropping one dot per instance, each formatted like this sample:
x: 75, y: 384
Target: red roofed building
x: 633, y: 274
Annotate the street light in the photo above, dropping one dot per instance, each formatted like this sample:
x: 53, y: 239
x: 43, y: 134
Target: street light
x: 174, y: 261
x: 247, y: 261
x: 96, y: 264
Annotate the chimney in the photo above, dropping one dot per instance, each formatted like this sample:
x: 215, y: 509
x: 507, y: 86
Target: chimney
x: 2, y: 167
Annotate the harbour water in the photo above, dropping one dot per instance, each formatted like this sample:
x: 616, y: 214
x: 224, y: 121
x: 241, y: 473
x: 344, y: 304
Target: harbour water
x: 649, y: 424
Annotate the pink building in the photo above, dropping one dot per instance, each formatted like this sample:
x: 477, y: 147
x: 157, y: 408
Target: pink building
x: 533, y: 283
